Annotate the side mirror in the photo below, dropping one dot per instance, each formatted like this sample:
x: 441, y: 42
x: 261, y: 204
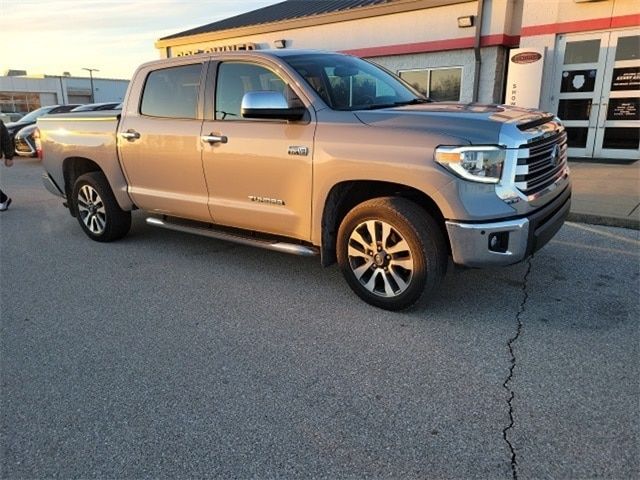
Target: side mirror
x: 269, y: 105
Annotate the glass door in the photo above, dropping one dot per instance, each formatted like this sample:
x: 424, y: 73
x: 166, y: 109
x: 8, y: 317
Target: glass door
x: 581, y: 65
x: 618, y: 132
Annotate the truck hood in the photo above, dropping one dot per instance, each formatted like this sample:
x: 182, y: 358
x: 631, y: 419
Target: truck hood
x: 476, y: 123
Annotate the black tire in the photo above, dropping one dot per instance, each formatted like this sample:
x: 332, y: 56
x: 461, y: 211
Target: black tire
x: 96, y: 209
x: 396, y: 279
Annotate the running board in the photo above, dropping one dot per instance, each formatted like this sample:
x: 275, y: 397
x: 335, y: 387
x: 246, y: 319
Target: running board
x: 276, y: 245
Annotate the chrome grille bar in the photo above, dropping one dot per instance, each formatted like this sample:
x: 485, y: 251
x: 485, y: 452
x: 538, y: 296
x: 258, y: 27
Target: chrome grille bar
x: 541, y: 163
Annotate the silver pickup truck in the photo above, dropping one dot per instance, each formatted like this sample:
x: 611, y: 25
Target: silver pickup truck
x: 310, y: 153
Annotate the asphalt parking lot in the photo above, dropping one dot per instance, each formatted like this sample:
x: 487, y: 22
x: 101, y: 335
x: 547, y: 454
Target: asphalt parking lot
x: 167, y: 355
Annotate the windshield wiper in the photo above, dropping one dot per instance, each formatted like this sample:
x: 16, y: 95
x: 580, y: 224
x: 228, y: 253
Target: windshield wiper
x: 414, y: 101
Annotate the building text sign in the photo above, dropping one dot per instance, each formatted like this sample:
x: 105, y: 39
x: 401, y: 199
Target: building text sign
x: 626, y: 78
x: 524, y: 79
x: 219, y: 48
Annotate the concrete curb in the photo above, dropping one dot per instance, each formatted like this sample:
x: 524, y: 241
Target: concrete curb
x: 633, y: 223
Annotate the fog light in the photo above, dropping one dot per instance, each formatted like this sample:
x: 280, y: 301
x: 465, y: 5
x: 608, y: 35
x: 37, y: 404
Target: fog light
x: 499, y: 242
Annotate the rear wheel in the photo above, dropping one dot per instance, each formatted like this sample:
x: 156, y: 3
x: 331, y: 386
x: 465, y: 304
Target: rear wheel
x: 96, y: 208
x: 391, y: 252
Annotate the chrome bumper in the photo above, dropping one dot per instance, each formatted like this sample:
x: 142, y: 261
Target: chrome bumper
x: 471, y: 242
x: 51, y: 186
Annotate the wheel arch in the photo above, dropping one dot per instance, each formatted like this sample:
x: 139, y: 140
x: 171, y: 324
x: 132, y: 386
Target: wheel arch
x: 344, y: 196
x: 73, y: 167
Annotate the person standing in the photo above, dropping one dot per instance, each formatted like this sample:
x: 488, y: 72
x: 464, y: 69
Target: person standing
x: 6, y: 150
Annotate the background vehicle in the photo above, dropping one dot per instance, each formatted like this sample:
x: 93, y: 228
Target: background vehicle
x: 316, y: 153
x: 89, y: 107
x: 31, y: 117
x: 24, y: 139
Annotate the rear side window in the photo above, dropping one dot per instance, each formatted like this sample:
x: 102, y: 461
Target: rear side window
x: 172, y: 92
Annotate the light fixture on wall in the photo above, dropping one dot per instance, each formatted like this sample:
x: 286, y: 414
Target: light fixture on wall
x: 280, y: 43
x: 465, y: 22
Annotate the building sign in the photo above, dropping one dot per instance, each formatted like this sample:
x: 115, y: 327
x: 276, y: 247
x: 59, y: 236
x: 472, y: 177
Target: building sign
x: 623, y: 109
x: 240, y: 47
x: 626, y: 78
x: 524, y: 80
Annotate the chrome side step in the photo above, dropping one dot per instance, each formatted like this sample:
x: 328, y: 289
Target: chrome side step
x: 276, y: 245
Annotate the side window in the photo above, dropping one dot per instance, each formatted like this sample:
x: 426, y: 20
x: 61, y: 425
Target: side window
x: 172, y: 92
x: 236, y: 79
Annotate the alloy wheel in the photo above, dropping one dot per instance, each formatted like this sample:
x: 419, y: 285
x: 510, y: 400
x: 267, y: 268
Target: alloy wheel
x: 380, y: 258
x: 91, y: 209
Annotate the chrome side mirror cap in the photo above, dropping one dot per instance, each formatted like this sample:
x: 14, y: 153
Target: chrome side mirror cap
x: 269, y: 105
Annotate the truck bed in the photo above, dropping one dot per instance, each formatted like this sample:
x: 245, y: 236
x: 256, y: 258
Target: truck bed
x: 88, y: 135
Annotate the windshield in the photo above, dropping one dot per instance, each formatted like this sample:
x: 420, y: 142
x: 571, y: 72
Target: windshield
x: 349, y: 83
x: 31, y: 116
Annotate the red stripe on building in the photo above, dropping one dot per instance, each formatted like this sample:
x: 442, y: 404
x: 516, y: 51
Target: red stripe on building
x: 625, y: 21
x: 435, y: 46
x: 581, y: 25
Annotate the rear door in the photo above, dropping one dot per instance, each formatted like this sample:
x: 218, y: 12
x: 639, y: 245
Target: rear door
x: 260, y: 175
x: 159, y: 141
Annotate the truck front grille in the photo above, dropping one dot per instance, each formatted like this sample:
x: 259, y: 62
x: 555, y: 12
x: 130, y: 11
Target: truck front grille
x: 541, y: 163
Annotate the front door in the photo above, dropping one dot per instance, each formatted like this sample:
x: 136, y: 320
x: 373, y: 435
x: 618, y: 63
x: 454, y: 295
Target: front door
x: 618, y: 132
x: 597, y: 98
x: 259, y: 172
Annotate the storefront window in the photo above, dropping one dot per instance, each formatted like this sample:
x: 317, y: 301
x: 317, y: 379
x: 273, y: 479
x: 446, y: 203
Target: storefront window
x: 577, y: 137
x: 19, y: 102
x: 445, y: 84
x: 621, y: 138
x: 418, y: 79
x: 579, y: 109
x: 440, y: 84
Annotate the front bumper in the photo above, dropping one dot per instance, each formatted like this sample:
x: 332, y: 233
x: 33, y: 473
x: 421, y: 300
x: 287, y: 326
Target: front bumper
x: 471, y: 243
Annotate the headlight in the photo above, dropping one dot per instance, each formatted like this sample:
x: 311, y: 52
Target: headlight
x: 476, y: 163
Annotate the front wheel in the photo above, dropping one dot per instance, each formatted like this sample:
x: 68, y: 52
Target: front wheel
x: 391, y: 252
x: 96, y: 208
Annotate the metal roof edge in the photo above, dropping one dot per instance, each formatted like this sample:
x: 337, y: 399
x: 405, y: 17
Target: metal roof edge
x: 398, y: 6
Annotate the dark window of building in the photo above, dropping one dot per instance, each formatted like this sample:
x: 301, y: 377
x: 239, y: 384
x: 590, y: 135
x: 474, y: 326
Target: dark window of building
x: 577, y: 137
x: 236, y: 79
x: 621, y: 138
x: 574, y: 109
x: 172, y: 92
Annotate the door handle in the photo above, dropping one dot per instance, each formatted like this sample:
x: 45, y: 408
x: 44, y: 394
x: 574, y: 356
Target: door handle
x: 604, y: 114
x: 211, y: 139
x: 130, y: 135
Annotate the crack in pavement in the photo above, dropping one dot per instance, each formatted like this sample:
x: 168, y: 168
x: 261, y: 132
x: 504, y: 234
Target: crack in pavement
x: 505, y: 431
